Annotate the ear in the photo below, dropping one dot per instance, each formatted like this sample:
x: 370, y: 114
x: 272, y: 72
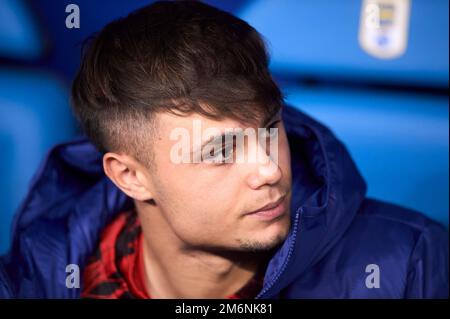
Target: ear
x: 128, y: 175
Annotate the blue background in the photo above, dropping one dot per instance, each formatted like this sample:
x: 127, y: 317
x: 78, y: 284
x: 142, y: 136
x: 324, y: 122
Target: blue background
x: 393, y: 115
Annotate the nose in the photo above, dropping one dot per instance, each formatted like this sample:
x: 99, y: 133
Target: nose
x: 265, y: 171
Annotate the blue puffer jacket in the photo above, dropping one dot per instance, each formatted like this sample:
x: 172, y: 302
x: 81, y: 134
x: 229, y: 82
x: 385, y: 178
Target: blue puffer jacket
x: 341, y: 244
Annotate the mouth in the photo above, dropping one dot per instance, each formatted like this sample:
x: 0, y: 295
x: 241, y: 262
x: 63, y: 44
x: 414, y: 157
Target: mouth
x: 272, y: 210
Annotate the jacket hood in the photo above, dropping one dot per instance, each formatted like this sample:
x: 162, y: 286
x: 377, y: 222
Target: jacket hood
x: 72, y: 199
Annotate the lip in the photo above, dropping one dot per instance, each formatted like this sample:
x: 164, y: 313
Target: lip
x: 271, y: 210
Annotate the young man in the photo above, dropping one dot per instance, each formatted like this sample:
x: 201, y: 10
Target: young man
x: 147, y: 218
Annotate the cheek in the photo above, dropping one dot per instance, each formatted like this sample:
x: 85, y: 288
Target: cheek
x: 196, y: 202
x: 198, y: 221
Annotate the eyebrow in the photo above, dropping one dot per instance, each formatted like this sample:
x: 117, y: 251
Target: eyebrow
x: 274, y: 118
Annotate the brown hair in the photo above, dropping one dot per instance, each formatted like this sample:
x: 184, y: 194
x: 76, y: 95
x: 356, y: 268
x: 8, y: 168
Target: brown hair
x: 170, y: 56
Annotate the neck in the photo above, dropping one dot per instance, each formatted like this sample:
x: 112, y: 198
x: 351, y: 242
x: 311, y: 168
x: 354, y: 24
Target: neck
x: 174, y: 269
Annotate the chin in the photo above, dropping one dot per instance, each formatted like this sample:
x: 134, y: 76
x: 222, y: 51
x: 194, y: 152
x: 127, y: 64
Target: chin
x: 265, y: 240
x: 260, y: 246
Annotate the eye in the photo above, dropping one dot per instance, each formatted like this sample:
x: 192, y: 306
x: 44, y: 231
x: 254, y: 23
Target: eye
x: 271, y: 135
x: 225, y: 154
x: 222, y: 156
x: 272, y: 129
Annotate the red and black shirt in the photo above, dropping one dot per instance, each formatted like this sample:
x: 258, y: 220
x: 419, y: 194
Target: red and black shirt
x: 116, y: 270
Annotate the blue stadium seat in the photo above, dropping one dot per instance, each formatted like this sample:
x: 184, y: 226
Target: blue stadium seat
x: 19, y: 35
x: 34, y: 110
x: 320, y: 38
x: 399, y: 141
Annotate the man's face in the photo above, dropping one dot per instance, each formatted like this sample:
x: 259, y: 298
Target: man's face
x: 212, y: 204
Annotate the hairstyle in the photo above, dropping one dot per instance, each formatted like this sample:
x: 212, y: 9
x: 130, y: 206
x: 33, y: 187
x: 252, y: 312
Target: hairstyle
x: 182, y: 57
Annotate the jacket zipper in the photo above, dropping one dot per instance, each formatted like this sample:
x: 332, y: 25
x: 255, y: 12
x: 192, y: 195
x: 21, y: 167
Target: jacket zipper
x: 291, y: 248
